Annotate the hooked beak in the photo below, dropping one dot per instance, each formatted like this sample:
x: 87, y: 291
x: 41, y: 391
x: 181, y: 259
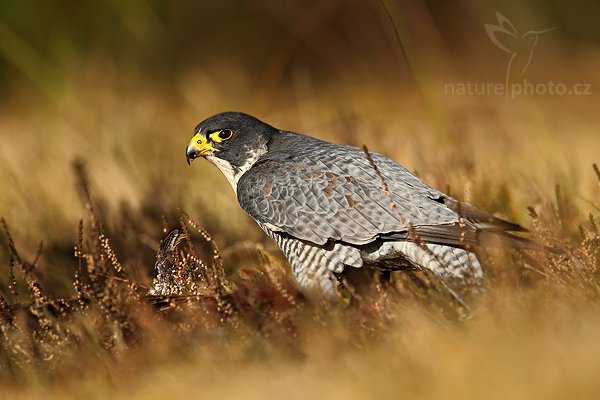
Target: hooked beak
x: 198, y: 147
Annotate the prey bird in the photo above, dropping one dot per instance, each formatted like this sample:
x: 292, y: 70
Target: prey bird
x: 333, y: 208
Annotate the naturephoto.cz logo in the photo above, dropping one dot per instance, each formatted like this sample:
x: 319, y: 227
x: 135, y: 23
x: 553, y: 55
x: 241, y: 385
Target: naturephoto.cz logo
x: 520, y: 49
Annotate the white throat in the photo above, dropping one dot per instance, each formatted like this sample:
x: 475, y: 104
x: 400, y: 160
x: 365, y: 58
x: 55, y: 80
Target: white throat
x: 233, y: 174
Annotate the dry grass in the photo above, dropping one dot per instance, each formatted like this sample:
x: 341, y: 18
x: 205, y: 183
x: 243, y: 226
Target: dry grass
x: 77, y: 321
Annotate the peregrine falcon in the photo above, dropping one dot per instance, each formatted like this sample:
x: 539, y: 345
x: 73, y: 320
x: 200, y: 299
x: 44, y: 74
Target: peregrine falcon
x: 332, y: 207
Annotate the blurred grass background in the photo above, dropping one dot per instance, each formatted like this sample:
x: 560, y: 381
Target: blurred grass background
x: 121, y: 84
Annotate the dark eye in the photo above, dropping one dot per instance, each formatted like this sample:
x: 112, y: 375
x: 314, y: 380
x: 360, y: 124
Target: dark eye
x: 225, y: 134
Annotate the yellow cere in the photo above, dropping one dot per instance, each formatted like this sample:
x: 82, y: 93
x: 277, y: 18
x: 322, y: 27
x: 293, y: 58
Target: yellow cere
x: 200, y: 143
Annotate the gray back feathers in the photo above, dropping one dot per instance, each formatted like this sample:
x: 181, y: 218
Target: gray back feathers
x: 318, y: 191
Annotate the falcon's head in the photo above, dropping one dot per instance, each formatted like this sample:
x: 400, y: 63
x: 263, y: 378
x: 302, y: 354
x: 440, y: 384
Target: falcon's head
x: 232, y: 141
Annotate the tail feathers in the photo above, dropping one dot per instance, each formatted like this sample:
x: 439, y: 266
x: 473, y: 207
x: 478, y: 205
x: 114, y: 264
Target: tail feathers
x: 507, y: 239
x: 481, y: 219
